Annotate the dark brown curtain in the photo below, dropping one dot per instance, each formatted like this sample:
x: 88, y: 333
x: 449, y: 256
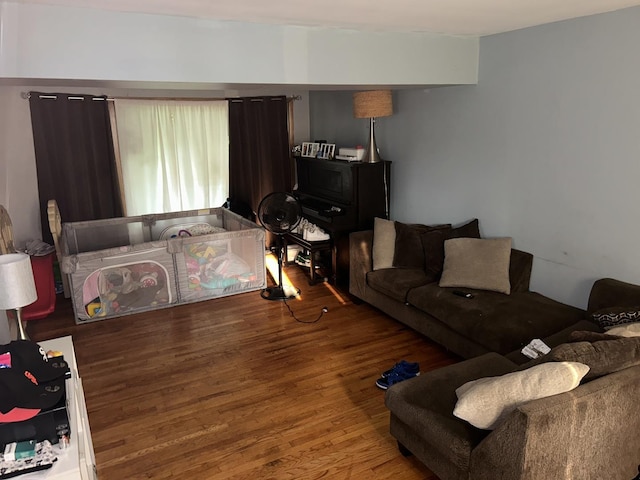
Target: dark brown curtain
x: 74, y: 157
x: 259, y: 152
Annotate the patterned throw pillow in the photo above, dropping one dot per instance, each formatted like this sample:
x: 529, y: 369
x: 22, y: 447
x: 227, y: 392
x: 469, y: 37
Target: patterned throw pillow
x: 612, y: 317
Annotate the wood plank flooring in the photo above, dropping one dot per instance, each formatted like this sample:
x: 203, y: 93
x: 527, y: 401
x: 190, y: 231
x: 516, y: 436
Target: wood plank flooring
x: 235, y: 388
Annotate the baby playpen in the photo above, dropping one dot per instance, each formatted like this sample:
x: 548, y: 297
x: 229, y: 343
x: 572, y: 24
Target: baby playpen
x: 127, y: 265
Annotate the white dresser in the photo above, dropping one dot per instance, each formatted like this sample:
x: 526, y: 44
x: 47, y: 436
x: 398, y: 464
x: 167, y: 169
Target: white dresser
x: 77, y: 462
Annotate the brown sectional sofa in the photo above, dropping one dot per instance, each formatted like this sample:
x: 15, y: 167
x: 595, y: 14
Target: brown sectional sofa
x: 590, y: 432
x: 488, y: 322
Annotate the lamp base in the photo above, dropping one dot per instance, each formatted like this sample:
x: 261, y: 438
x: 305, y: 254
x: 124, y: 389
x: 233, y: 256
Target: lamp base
x: 22, y: 333
x: 372, y: 155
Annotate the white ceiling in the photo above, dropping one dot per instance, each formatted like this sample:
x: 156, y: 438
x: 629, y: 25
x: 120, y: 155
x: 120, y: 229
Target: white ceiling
x: 456, y: 17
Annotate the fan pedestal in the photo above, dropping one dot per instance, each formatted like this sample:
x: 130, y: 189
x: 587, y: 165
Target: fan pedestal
x: 280, y: 291
x: 279, y: 213
x: 285, y: 292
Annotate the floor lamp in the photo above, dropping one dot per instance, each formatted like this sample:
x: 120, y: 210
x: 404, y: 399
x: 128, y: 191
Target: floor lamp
x: 372, y: 104
x: 17, y: 286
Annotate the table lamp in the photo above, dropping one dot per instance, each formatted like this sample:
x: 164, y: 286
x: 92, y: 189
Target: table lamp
x: 17, y: 286
x: 372, y: 104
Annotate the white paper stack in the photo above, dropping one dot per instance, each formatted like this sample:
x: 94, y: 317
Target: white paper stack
x: 536, y: 348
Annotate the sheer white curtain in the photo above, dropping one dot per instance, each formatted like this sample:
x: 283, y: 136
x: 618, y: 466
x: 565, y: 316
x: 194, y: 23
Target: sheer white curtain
x: 174, y: 154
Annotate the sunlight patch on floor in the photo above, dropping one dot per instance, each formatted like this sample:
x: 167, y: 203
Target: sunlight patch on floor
x: 336, y: 293
x: 271, y: 262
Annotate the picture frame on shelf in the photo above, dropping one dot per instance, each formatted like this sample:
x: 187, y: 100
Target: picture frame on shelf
x: 327, y: 151
x: 310, y: 149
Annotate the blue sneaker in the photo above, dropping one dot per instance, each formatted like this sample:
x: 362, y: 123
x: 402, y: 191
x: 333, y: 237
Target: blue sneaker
x: 403, y: 366
x: 393, y: 378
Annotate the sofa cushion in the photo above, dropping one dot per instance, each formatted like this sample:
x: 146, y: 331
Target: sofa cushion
x: 396, y: 282
x: 520, y: 270
x: 384, y: 243
x: 557, y: 338
x: 608, y: 292
x: 471, y: 229
x: 407, y: 248
x: 433, y: 244
x: 627, y: 330
x: 408, y: 251
x: 603, y: 357
x: 587, y: 336
x: 477, y: 263
x: 500, y: 323
x: 426, y: 404
x: 615, y: 316
x: 433, y: 250
x: 486, y: 402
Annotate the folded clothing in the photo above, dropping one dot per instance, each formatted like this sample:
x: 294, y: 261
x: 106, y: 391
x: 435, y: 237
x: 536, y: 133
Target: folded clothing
x: 44, y: 458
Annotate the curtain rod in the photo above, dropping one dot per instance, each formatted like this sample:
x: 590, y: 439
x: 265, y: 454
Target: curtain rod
x: 27, y: 95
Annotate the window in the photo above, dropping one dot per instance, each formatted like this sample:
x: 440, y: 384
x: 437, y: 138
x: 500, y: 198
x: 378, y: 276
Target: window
x: 174, y: 154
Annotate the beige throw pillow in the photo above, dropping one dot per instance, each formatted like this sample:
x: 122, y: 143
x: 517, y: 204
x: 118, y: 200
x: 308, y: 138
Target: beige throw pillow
x: 477, y: 263
x: 484, y: 403
x: 627, y: 330
x: 384, y: 243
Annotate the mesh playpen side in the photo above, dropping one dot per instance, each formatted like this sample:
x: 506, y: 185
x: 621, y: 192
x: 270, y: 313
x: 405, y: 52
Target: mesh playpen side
x: 155, y: 261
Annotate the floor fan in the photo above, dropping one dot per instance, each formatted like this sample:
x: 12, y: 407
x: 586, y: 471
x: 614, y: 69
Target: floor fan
x: 279, y: 213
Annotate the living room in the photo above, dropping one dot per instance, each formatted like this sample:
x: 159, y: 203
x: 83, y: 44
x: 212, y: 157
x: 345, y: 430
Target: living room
x: 527, y: 150
x: 540, y: 145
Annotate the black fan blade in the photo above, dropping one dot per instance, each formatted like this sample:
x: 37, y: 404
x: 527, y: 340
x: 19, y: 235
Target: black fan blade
x: 279, y: 212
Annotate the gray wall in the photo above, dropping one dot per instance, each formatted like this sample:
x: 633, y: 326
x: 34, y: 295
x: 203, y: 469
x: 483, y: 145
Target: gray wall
x: 544, y: 149
x: 59, y: 42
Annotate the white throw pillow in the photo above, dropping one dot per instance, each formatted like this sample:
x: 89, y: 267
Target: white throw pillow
x: 484, y: 403
x: 627, y: 330
x: 384, y: 243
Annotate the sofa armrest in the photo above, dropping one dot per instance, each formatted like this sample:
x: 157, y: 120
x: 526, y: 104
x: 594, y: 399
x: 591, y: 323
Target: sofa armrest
x: 520, y: 270
x: 360, y: 261
x: 589, y: 432
x: 608, y: 292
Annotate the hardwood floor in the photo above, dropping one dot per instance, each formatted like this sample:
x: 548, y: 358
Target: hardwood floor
x: 235, y: 388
